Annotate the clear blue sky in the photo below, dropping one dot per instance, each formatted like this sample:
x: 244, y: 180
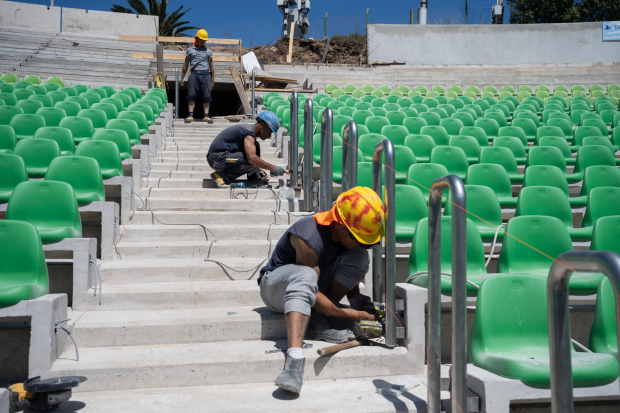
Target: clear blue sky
x: 263, y: 21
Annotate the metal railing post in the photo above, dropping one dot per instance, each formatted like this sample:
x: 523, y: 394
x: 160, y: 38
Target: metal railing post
x: 388, y: 286
x: 459, y: 295
x: 176, y: 92
x: 253, y: 94
x: 307, y: 178
x: 294, y: 141
x: 558, y: 313
x: 327, y: 159
x: 349, y: 156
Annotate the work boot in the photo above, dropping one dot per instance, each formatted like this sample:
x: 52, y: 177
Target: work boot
x: 219, y: 181
x: 189, y: 119
x: 320, y: 328
x: 207, y: 119
x: 291, y: 378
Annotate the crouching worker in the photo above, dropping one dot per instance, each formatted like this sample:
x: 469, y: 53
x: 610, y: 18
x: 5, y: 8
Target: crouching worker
x: 317, y: 262
x: 235, y: 151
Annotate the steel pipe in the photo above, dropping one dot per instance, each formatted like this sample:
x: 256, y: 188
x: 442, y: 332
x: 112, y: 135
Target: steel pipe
x: 253, y: 94
x: 558, y: 314
x: 388, y: 286
x: 327, y: 159
x: 294, y: 141
x: 349, y: 156
x: 176, y: 92
x: 459, y: 295
x: 307, y: 177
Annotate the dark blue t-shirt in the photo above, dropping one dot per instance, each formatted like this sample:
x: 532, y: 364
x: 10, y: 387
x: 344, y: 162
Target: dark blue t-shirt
x: 231, y: 139
x: 319, y: 237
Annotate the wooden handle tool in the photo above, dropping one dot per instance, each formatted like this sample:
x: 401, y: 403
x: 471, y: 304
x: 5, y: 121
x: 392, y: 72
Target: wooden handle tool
x: 333, y: 349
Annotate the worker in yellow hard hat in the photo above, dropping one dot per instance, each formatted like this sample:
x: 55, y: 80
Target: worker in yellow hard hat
x: 199, y: 61
x: 318, y: 261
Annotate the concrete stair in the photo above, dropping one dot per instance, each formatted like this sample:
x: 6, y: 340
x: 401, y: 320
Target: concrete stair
x: 176, y: 331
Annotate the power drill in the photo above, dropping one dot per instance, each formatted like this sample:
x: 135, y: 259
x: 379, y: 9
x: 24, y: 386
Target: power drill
x: 373, y: 328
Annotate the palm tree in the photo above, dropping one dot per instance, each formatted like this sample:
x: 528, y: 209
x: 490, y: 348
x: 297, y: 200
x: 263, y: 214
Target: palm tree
x: 169, y: 24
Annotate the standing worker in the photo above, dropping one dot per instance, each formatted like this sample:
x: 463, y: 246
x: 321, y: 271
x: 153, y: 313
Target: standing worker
x: 199, y: 61
x: 235, y: 151
x: 318, y: 261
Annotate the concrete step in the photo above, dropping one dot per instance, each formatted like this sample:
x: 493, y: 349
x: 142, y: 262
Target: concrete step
x: 173, y: 295
x: 206, y: 193
x: 232, y: 231
x: 231, y: 362
x: 345, y: 395
x: 178, y: 270
x: 212, y: 217
x: 181, y: 326
x: 201, y: 204
x: 255, y: 248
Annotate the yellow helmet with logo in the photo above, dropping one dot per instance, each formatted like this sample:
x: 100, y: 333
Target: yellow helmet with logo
x: 361, y: 210
x: 202, y: 34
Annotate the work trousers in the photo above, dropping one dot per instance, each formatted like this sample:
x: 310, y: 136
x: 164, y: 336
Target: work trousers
x: 231, y: 165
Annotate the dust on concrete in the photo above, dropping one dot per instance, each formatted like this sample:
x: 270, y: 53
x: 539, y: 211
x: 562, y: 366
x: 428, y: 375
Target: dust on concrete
x: 341, y: 50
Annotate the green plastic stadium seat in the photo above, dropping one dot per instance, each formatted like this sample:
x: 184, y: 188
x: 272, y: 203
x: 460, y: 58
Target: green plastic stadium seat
x: 80, y: 100
x: 423, y: 145
x: 456, y: 103
x: 30, y: 107
x: 118, y: 103
x: 476, y: 132
x: 414, y: 125
x: 62, y: 136
x: 409, y: 112
x: 337, y: 163
x: 109, y: 90
x: 57, y: 96
x: 96, y: 116
x: 360, y: 116
x: 465, y: 118
x: 56, y: 80
x: 490, y: 126
x: 23, y: 94
x: 469, y: 145
x: 35, y: 80
x: 377, y: 94
x: 418, y: 257
x: 81, y: 128
x: 6, y: 88
x: 452, y: 126
x: 419, y: 107
x: 37, y: 155
x: 140, y: 120
x: 449, y: 109
x: 364, y: 174
x: 138, y: 93
x: 498, y: 117
x: 52, y: 116
x: 549, y: 155
x: 9, y: 99
x: 378, y: 112
x: 80, y: 88
x: 110, y: 110
x: 528, y: 126
x: 563, y: 124
x: 602, y: 202
x: 69, y: 91
x: 395, y: 133
x: 403, y: 159
x: 561, y: 144
x: 82, y: 173
x: 376, y: 123
x: 597, y: 123
x: 438, y: 133
x: 91, y: 97
x: 599, y: 141
x: 351, y: 103
x: 548, y: 131
x: 495, y: 177
x: 396, y: 118
x: 358, y: 94
x: 133, y: 131
x: 391, y: 107
x: 583, y: 132
x: 7, y: 139
x: 362, y: 106
x: 430, y: 102
x: 70, y: 108
x: 26, y: 125
x: 453, y: 158
x: 12, y: 171
x: 367, y: 144
x: 7, y: 113
x: 102, y: 93
x: 608, y: 117
x: 504, y: 157
x: 548, y: 111
x: 38, y: 90
x: 483, y: 210
x: 528, y: 115
x: 510, y: 335
x: 9, y: 78
x: 22, y: 84
x: 591, y: 156
x: 596, y: 177
x: 24, y: 272
x: 550, y: 201
x: 422, y: 176
x: 516, y: 147
x: 588, y: 116
x: 604, y: 332
x: 50, y: 206
x: 119, y: 137
x: 338, y: 93
x: 160, y: 106
x: 106, y: 154
x: 546, y: 175
x: 404, y: 102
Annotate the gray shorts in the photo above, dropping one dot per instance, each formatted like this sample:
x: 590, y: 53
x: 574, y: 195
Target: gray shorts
x: 294, y: 287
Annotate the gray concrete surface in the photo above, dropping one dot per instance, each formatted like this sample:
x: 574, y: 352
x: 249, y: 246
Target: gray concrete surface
x: 101, y: 22
x: 29, y: 16
x: 490, y: 44
x: 118, y: 189
x: 109, y: 213
x: 44, y: 344
x: 5, y: 401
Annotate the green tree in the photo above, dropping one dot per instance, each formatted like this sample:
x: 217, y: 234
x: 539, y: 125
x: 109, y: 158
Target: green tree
x: 169, y: 24
x: 543, y: 11
x: 598, y: 10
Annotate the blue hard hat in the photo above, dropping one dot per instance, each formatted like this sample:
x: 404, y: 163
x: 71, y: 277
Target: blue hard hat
x: 270, y: 119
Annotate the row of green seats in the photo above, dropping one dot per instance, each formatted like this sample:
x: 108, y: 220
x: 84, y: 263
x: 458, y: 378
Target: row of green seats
x: 11, y: 78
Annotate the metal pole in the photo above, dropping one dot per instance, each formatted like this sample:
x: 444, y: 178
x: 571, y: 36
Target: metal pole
x: 326, y: 25
x: 176, y: 92
x: 385, y: 147
x: 253, y: 93
x: 349, y: 156
x: 558, y: 313
x: 307, y: 179
x: 410, y: 16
x: 327, y: 159
x: 466, y: 12
x: 459, y: 295
x: 294, y: 143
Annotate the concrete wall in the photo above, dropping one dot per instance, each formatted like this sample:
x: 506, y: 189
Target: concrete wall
x: 48, y: 19
x: 490, y: 44
x: 101, y: 22
x: 29, y: 16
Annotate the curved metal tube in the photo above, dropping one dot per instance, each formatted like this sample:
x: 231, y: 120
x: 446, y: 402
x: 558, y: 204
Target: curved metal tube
x: 459, y: 295
x: 349, y: 156
x: 558, y: 314
x: 307, y: 178
x: 385, y: 285
x: 293, y: 159
x: 327, y: 159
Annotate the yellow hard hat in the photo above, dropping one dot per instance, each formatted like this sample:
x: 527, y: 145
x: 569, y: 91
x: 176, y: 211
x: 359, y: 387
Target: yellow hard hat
x: 202, y: 34
x: 361, y: 210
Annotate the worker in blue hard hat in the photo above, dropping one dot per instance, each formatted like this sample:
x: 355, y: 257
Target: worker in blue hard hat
x: 236, y: 151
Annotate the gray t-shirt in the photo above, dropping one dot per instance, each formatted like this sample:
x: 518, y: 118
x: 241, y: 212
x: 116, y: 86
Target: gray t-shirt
x: 199, y: 58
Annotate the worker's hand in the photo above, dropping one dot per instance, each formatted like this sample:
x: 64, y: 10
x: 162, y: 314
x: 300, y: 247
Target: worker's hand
x: 363, y: 315
x: 358, y: 301
x: 212, y: 83
x: 279, y: 171
x: 182, y: 81
x: 263, y: 175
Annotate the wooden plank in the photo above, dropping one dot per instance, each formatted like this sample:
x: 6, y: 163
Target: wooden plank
x: 283, y: 90
x: 167, y: 39
x: 291, y: 36
x: 240, y: 90
x: 182, y: 57
x: 137, y: 38
x: 226, y: 58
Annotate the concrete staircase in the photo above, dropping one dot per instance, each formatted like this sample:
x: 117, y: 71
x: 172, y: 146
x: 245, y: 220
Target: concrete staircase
x: 175, y: 332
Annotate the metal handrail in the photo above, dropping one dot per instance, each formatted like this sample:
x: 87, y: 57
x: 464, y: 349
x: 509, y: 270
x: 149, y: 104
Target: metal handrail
x: 327, y: 159
x: 307, y: 178
x: 385, y: 285
x: 459, y: 294
x: 176, y: 92
x: 253, y: 94
x: 349, y: 156
x: 558, y: 314
x: 293, y: 159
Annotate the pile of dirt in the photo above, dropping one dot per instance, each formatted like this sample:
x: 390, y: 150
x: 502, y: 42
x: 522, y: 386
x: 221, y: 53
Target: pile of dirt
x: 341, y: 51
